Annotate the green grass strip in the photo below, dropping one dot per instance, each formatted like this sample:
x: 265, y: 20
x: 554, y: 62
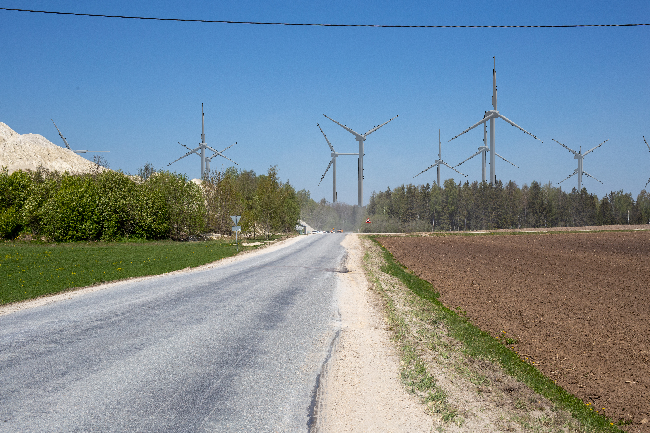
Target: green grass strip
x: 480, y: 344
x: 29, y: 270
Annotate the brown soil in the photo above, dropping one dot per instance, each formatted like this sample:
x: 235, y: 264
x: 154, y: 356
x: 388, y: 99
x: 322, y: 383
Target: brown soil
x: 576, y: 303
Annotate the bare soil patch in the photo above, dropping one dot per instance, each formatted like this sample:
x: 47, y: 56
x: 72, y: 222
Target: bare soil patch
x: 577, y: 305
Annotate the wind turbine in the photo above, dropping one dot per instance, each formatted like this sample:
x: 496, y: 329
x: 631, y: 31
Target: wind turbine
x: 484, y: 150
x: 76, y: 151
x: 334, y: 154
x: 492, y: 115
x: 209, y: 158
x: 646, y: 143
x: 205, y: 162
x: 579, y: 156
x: 439, y: 162
x: 360, y: 138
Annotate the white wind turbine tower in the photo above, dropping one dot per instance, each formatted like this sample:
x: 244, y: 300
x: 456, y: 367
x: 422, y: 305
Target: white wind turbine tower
x: 439, y: 162
x: 360, y: 138
x: 205, y: 162
x: 76, y: 151
x: 646, y: 143
x: 332, y: 163
x: 579, y: 156
x: 492, y: 115
x: 484, y: 150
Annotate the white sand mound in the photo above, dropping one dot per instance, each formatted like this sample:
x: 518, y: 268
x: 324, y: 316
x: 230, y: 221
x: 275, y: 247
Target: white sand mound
x: 29, y: 151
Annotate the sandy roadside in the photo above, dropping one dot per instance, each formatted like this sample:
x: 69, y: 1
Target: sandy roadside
x: 361, y: 389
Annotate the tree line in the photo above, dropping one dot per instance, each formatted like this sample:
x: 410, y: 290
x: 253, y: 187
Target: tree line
x: 110, y: 205
x: 477, y: 206
x: 482, y: 206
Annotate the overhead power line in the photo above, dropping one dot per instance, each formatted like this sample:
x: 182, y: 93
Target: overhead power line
x: 185, y: 20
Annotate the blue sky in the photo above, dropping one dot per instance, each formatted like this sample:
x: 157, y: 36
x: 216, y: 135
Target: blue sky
x: 136, y: 87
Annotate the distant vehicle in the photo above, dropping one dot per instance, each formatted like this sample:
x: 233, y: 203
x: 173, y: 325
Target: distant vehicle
x: 339, y: 231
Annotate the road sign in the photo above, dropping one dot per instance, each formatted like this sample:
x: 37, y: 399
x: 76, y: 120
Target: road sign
x: 236, y: 229
x: 235, y: 219
x: 368, y: 221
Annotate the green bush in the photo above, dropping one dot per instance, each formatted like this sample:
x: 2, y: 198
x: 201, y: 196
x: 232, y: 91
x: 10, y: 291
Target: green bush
x: 150, y: 217
x: 10, y: 224
x: 110, y: 205
x: 185, y: 206
x: 114, y: 212
x: 70, y: 214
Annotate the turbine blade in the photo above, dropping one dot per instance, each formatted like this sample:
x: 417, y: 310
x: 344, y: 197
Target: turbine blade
x: 584, y: 172
x: 517, y: 126
x: 505, y: 159
x: 356, y: 134
x: 646, y: 143
x: 187, y: 154
x: 575, y: 171
x: 591, y: 150
x: 214, y: 150
x: 485, y: 119
x: 377, y: 127
x: 223, y: 156
x: 189, y: 148
x: 468, y: 158
x: 64, y: 140
x: 228, y: 147
x: 186, y: 147
x: 566, y: 147
x: 328, y: 142
x: 431, y: 166
x: 326, y: 170
x: 445, y: 164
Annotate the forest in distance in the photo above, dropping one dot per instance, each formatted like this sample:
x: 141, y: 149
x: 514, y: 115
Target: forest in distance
x: 477, y: 206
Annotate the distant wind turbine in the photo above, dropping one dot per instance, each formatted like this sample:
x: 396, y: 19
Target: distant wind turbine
x: 491, y: 116
x: 360, y: 138
x: 76, y: 151
x: 580, y: 156
x: 334, y: 155
x: 439, y: 162
x: 484, y: 150
x: 208, y: 158
x: 205, y: 161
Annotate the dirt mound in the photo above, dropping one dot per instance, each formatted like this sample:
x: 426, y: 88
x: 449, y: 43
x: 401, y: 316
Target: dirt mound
x: 30, y: 151
x: 576, y: 305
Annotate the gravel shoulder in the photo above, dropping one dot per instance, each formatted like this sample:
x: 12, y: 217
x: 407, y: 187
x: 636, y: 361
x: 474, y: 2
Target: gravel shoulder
x: 396, y: 369
x: 360, y: 389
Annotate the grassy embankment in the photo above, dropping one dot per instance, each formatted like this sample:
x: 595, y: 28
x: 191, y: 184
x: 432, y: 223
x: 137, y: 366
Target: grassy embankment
x: 475, y: 344
x: 29, y: 270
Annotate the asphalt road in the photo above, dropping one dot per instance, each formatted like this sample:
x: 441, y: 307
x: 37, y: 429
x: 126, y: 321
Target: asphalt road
x: 233, y: 348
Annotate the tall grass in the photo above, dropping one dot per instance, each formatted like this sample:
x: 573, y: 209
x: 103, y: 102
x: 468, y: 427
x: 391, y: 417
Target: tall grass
x: 30, y: 270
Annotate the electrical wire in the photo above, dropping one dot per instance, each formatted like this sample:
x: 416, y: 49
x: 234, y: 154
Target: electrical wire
x: 184, y: 20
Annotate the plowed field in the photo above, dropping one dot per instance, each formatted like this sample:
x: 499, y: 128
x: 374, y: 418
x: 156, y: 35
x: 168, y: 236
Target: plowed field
x: 578, y: 305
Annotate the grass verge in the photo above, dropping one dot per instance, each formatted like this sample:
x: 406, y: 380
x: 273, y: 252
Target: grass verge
x: 29, y: 269
x: 475, y: 344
